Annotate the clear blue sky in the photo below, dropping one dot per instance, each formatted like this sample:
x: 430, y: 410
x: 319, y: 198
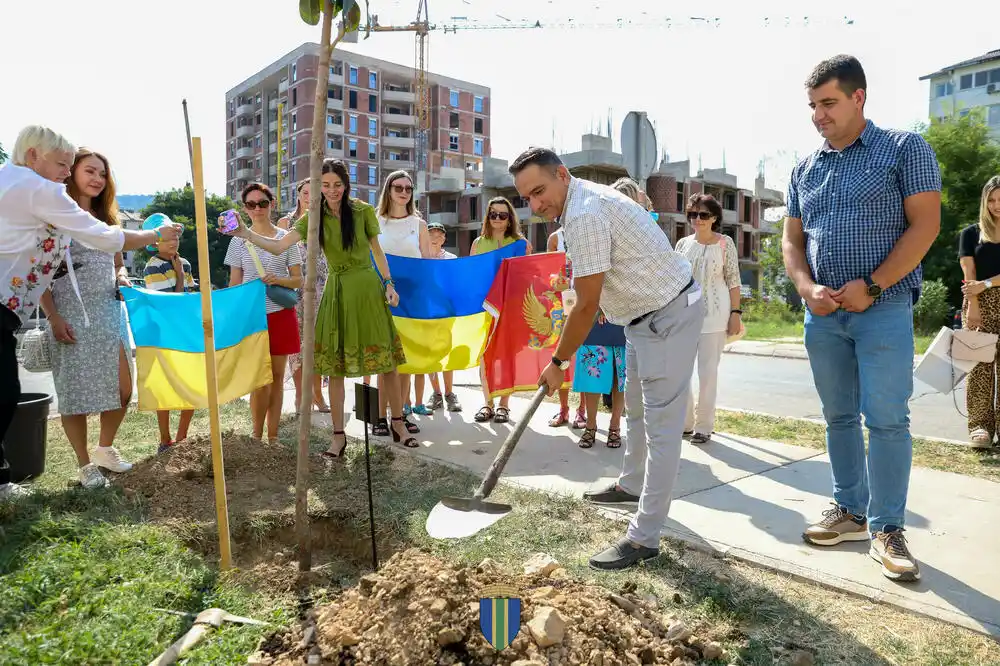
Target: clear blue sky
x: 112, y: 77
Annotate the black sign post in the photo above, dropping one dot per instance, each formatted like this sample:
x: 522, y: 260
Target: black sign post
x: 366, y: 411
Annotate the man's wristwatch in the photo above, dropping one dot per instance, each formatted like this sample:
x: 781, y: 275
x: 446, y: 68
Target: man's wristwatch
x: 874, y: 291
x: 562, y: 365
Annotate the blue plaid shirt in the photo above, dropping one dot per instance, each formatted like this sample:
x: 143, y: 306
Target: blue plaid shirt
x: 850, y: 202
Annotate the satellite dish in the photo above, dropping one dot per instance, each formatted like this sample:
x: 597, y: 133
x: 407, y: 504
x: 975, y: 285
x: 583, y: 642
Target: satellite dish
x: 638, y: 145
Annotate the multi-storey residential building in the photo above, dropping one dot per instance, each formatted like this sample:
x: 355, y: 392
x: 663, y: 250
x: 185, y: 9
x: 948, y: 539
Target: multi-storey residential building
x: 371, y: 124
x: 967, y: 85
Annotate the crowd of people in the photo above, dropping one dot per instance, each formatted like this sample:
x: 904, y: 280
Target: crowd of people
x: 863, y: 210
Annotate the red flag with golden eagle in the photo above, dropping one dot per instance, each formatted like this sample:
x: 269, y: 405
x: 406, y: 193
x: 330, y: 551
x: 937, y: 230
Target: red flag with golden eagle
x: 527, y: 306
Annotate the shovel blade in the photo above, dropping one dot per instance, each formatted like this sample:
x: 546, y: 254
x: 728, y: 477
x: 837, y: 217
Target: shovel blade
x: 448, y: 522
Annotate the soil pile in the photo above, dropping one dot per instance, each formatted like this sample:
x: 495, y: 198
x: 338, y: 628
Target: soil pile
x: 418, y: 610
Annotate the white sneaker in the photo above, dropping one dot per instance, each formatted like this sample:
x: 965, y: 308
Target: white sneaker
x: 11, y: 492
x: 107, y: 457
x: 91, y: 477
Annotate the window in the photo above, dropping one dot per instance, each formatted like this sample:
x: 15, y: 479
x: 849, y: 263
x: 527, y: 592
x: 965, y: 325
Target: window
x: 995, y: 75
x: 329, y: 120
x: 453, y: 120
x: 965, y: 82
x: 372, y: 151
x: 372, y: 127
x: 993, y: 117
x: 257, y: 119
x: 352, y: 148
x: 453, y: 98
x: 963, y: 113
x: 295, y: 74
x: 944, y: 89
x: 258, y: 163
x: 372, y: 103
x: 352, y: 99
x: 354, y: 192
x: 295, y: 96
x: 295, y: 122
x: 477, y: 104
x: 352, y: 125
x: 331, y: 93
x: 478, y: 125
x: 258, y: 99
x: 293, y: 172
x: 394, y: 157
x: 329, y: 144
x: 258, y: 142
x: 372, y: 194
x: 232, y: 171
x: 352, y: 77
x: 477, y: 146
x: 294, y: 142
x: 353, y: 172
x: 453, y: 142
x: 372, y: 80
x: 372, y: 175
x: 982, y: 78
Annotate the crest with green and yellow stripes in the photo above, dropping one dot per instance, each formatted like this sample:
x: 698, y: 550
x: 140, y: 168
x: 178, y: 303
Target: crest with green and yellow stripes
x: 500, y: 615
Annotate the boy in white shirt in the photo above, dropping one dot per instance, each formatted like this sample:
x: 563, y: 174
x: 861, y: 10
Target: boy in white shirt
x: 436, y: 232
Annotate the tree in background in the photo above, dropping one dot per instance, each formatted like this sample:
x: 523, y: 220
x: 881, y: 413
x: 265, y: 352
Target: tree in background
x: 774, y: 282
x: 178, y: 205
x: 3, y: 155
x: 968, y: 157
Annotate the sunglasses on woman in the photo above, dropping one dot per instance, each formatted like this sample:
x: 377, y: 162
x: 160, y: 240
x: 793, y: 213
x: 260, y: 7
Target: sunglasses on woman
x: 262, y: 204
x: 498, y: 216
x: 701, y: 215
x: 399, y: 189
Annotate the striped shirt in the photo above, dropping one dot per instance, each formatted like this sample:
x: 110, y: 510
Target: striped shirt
x: 239, y: 257
x: 850, y: 202
x: 159, y: 274
x: 606, y: 232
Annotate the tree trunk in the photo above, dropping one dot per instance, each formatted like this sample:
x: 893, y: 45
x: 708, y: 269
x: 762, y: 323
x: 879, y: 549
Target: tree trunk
x: 309, y: 292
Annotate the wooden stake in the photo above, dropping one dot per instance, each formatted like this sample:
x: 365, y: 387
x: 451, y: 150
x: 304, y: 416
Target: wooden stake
x: 204, y: 272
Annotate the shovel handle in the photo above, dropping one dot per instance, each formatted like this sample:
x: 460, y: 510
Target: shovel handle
x: 184, y: 644
x: 496, y: 467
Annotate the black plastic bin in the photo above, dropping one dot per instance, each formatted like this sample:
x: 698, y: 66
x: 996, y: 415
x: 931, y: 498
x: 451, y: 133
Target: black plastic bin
x: 24, y: 444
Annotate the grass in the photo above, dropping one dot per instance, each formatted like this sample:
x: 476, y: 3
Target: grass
x: 785, y: 331
x: 83, y: 571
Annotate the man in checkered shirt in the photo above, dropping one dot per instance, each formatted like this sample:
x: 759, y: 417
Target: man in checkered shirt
x: 623, y: 263
x: 862, y: 212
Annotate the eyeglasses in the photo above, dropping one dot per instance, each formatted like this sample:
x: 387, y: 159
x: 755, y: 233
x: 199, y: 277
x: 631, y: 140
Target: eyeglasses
x: 494, y: 215
x: 399, y: 189
x: 262, y: 204
x: 701, y: 215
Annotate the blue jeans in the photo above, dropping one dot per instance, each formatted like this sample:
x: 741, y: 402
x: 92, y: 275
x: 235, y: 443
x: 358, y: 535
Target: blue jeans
x: 862, y: 363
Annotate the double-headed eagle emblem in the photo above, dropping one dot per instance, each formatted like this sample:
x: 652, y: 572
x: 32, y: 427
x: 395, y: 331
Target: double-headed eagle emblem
x: 545, y: 316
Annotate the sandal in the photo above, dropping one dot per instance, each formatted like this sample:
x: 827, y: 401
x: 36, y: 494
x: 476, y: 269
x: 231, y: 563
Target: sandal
x: 502, y: 415
x: 409, y: 442
x: 699, y: 438
x: 381, y: 429
x: 411, y: 427
x: 980, y: 439
x: 334, y: 455
x: 322, y: 408
x: 560, y: 419
x: 485, y: 414
x: 588, y: 438
x: 580, y: 421
x: 614, y: 438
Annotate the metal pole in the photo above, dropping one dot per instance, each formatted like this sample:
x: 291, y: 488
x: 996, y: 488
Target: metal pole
x: 187, y: 130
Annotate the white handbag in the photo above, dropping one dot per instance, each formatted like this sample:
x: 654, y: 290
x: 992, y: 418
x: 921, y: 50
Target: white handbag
x: 35, y: 348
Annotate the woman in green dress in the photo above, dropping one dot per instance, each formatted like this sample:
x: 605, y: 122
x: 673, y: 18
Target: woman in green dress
x: 355, y: 334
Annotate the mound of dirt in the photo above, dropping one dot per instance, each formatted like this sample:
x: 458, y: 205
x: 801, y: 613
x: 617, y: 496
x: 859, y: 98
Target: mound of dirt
x: 418, y: 610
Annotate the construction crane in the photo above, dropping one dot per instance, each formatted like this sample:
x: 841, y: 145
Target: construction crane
x: 422, y: 27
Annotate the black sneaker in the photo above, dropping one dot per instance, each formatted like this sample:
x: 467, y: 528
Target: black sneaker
x: 610, y: 495
x: 622, y: 555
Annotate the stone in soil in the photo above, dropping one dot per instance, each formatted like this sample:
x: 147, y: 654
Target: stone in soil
x: 418, y: 610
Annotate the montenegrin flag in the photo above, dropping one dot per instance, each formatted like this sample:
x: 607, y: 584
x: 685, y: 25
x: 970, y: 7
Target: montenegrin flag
x: 441, y: 318
x: 170, y: 345
x: 526, y: 301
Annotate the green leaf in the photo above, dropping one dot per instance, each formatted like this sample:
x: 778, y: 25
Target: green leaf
x: 351, y: 15
x: 309, y: 10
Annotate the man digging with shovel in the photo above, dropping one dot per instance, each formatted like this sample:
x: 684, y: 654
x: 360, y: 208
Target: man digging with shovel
x: 624, y: 263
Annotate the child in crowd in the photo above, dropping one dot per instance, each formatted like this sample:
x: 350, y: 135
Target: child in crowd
x: 436, y: 233
x: 169, y: 271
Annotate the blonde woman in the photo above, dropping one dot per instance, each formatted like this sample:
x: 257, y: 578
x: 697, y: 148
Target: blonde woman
x: 500, y: 228
x: 979, y: 257
x: 295, y: 360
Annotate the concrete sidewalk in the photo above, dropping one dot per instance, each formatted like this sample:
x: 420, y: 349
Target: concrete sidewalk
x: 767, y: 348
x: 751, y: 499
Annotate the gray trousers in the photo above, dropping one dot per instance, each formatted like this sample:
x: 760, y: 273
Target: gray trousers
x: 659, y: 357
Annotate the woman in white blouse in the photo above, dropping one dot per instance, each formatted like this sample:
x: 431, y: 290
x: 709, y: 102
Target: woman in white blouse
x: 37, y: 220
x: 716, y: 268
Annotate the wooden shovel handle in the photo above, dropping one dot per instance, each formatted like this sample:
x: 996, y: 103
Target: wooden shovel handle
x: 194, y: 635
x: 496, y: 467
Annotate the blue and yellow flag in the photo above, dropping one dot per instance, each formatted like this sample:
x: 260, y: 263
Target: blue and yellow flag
x: 440, y: 317
x: 170, y: 345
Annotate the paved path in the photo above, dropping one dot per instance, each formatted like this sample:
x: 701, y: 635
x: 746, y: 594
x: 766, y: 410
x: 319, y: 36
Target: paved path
x: 751, y: 499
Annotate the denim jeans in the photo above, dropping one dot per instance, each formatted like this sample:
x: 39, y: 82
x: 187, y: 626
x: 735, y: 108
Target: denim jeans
x: 862, y: 363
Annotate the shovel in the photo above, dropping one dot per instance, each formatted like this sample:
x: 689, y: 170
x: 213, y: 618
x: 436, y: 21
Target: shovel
x: 458, y: 517
x: 204, y: 623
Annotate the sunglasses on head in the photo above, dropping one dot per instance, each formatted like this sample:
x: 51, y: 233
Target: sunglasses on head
x: 399, y: 189
x: 701, y: 215
x: 494, y: 215
x: 262, y: 204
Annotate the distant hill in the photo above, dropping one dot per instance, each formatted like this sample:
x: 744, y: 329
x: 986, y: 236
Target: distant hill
x: 134, y: 202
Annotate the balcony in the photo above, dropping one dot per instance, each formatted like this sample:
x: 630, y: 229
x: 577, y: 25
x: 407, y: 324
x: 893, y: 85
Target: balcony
x: 245, y: 151
x: 447, y: 219
x: 394, y: 165
x: 335, y: 128
x: 473, y: 174
x: 337, y: 79
x: 336, y: 104
x: 245, y: 109
x: 399, y: 119
x: 245, y: 173
x: 398, y: 96
x: 245, y: 130
x: 283, y: 86
x: 730, y: 216
x: 273, y: 148
x: 337, y: 153
x: 399, y: 142
x: 273, y: 104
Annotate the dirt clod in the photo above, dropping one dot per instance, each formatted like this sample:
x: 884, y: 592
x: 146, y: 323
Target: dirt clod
x: 418, y: 610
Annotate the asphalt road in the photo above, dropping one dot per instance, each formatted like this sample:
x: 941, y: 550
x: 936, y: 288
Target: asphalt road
x: 778, y: 386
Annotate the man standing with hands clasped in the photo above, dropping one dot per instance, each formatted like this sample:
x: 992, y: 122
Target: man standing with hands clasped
x: 623, y: 263
x: 862, y: 212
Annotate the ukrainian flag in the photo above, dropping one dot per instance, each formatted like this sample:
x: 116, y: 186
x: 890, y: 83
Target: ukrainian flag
x: 170, y: 345
x: 440, y: 318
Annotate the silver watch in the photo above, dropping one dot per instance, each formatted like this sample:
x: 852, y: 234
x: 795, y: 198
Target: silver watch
x: 988, y: 283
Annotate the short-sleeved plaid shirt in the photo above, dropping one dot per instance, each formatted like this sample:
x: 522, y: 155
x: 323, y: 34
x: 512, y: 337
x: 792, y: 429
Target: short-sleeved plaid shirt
x: 850, y: 202
x: 606, y: 232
